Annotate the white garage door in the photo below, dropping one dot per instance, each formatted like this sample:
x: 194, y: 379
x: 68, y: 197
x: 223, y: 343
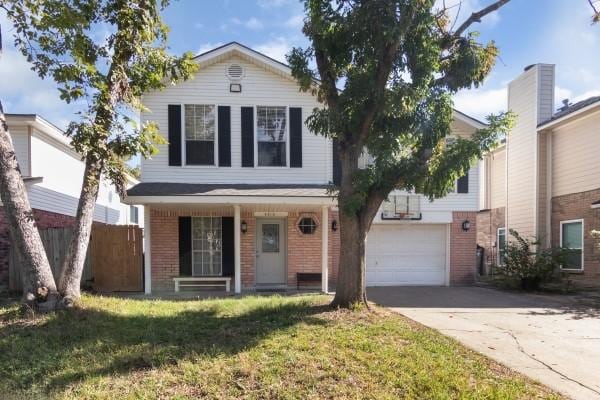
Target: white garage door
x: 406, y: 255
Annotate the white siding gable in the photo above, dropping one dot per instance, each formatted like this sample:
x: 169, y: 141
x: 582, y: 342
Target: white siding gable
x: 20, y: 140
x: 259, y: 87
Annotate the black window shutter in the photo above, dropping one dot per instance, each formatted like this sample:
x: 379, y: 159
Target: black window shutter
x: 174, y: 120
x: 185, y: 246
x: 462, y: 185
x: 295, y: 137
x: 227, y: 246
x: 224, y: 116
x: 247, y: 137
x: 337, y: 164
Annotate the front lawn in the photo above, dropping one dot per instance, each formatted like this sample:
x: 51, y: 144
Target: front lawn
x: 254, y: 347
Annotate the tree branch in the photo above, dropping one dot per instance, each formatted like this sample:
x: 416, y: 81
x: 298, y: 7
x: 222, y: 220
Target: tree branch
x: 327, y: 78
x: 596, y: 16
x: 476, y: 16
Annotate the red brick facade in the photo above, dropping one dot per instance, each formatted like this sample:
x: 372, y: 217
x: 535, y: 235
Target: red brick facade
x: 43, y: 219
x: 463, y: 246
x: 578, y: 206
x: 488, y: 222
x: 303, y: 251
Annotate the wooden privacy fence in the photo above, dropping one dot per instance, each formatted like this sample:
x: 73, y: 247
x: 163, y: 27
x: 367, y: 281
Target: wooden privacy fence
x: 113, y: 262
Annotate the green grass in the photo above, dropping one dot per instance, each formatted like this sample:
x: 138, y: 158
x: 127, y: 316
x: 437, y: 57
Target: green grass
x: 254, y: 347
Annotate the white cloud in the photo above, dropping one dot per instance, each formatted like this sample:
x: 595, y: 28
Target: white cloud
x: 208, y: 46
x: 295, y: 22
x: 480, y: 103
x: 272, y: 3
x: 254, y: 24
x: 276, y: 48
x: 198, y: 25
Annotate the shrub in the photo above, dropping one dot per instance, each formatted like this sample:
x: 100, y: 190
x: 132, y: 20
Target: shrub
x: 530, y: 264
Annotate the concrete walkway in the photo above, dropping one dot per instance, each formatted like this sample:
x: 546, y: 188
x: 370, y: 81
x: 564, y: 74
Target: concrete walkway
x: 552, y: 339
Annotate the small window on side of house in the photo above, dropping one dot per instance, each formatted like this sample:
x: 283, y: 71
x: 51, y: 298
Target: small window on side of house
x: 501, y: 245
x: 571, y: 238
x: 133, y: 215
x: 307, y: 225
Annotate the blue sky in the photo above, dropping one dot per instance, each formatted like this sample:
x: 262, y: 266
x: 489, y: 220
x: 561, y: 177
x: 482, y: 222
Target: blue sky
x: 526, y: 31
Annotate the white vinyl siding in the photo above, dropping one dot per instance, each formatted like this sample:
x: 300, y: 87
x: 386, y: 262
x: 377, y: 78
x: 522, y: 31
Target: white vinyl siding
x: 61, y: 171
x: 20, y: 139
x: 521, y: 150
x: 259, y: 88
x: 497, y: 175
x: 575, y: 149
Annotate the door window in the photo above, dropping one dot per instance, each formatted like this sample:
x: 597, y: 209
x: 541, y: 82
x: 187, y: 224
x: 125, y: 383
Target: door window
x: 270, y: 238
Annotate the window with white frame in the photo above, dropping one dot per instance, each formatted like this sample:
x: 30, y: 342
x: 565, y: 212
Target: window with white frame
x: 501, y: 246
x: 133, y: 215
x: 207, y: 246
x: 200, y: 128
x: 571, y: 238
x: 271, y: 136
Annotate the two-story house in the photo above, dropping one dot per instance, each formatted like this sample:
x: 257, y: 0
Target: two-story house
x: 544, y: 181
x: 53, y: 172
x: 242, y: 189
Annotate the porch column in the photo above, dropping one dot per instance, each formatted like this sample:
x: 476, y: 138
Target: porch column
x: 237, y: 250
x: 325, y: 248
x: 147, y: 256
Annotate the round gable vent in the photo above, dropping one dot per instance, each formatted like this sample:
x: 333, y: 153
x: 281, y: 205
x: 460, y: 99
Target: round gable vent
x: 235, y: 72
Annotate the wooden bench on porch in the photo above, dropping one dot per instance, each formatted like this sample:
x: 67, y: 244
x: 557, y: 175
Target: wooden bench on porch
x: 303, y: 277
x: 202, y: 281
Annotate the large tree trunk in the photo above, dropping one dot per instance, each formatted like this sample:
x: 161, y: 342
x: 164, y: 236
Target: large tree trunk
x: 70, y: 279
x: 39, y: 288
x: 351, y: 284
x: 351, y: 287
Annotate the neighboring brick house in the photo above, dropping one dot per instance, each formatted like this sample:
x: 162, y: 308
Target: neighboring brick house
x: 53, y: 172
x: 544, y: 181
x: 241, y: 190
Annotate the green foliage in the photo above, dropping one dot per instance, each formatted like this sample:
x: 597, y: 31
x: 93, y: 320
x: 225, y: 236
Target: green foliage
x: 253, y: 347
x: 399, y: 64
x: 103, y: 54
x: 528, y: 262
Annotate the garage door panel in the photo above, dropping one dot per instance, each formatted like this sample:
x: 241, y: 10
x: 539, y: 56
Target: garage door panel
x: 410, y: 261
x: 406, y: 255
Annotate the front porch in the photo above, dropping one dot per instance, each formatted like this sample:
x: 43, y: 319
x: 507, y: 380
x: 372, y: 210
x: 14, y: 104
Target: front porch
x: 261, y: 244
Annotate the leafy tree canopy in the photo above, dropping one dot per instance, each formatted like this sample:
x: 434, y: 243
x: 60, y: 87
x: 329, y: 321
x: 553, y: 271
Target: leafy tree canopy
x: 104, y: 54
x: 399, y: 62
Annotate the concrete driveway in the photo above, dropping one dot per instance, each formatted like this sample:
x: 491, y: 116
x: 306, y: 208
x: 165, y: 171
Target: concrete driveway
x: 552, y: 339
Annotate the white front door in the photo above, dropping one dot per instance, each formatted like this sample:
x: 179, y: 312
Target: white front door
x: 406, y: 255
x: 270, y: 252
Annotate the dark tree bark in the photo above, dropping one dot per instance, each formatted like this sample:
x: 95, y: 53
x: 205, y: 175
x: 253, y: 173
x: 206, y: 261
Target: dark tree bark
x: 70, y: 278
x: 39, y: 288
x: 354, y: 226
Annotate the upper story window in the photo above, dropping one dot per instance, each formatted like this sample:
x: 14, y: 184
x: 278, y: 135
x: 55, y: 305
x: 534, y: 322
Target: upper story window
x: 271, y: 136
x: 199, y: 134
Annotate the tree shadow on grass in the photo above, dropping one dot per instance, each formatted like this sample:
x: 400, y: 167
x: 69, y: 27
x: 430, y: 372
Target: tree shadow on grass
x: 84, y: 343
